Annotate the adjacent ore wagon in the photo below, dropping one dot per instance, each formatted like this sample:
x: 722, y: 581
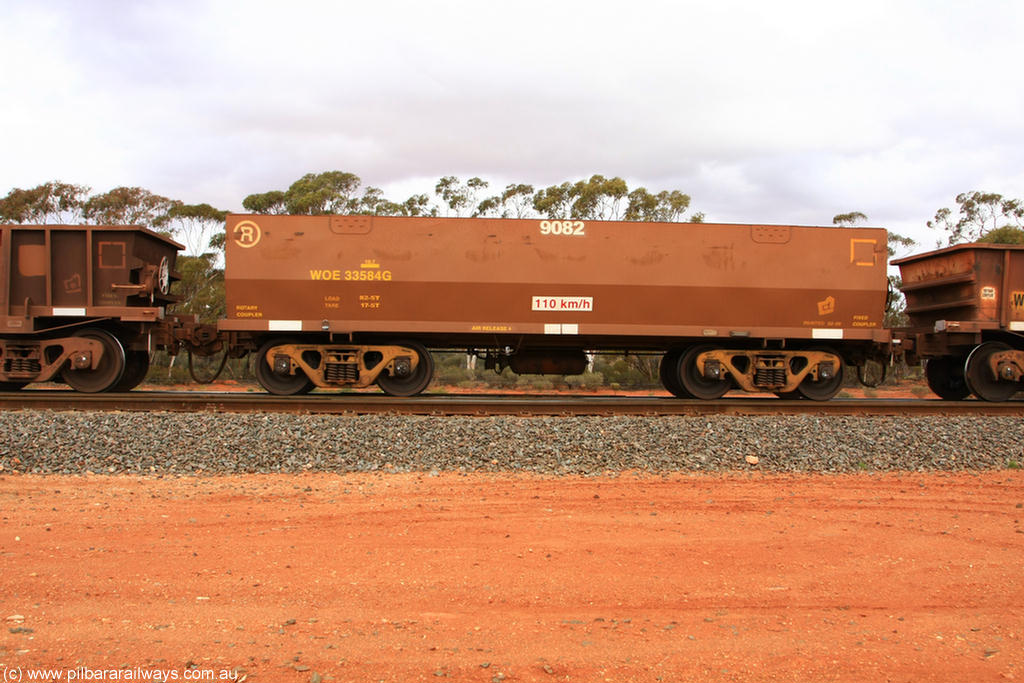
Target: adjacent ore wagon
x: 81, y: 304
x: 332, y: 301
x: 966, y: 309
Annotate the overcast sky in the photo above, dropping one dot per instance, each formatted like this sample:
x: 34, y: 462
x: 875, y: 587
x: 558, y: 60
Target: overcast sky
x: 774, y: 112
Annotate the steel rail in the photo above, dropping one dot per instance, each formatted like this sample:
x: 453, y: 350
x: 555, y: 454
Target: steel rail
x: 485, y: 405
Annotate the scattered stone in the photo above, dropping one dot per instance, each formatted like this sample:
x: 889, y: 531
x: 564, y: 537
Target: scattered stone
x: 47, y: 442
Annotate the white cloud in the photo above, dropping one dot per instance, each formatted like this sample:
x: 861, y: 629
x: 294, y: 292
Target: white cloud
x: 763, y: 112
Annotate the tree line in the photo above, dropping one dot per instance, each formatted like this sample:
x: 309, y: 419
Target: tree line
x: 984, y: 216
x: 594, y: 198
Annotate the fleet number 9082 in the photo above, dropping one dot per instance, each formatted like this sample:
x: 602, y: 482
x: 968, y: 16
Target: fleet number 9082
x: 569, y: 228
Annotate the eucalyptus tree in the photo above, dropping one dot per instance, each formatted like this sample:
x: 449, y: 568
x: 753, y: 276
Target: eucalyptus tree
x: 52, y: 202
x: 977, y: 214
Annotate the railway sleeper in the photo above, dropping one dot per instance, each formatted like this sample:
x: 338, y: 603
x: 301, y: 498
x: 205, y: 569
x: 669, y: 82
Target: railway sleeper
x: 333, y: 365
x: 41, y: 360
x: 775, y: 371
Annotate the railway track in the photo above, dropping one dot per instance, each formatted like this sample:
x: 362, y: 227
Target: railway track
x: 482, y: 405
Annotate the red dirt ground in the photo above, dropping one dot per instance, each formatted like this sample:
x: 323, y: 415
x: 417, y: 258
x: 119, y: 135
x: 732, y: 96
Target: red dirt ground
x: 412, y: 577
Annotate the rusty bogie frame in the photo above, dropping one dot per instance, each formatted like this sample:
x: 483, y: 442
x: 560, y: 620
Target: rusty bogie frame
x: 27, y: 361
x: 334, y: 365
x: 771, y: 370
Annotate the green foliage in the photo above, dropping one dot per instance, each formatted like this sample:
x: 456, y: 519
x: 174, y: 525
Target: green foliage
x: 978, y: 213
x: 51, y: 202
x: 595, y: 198
x: 458, y: 196
x: 58, y: 202
x: 598, y: 198
x: 334, y: 192
x: 266, y: 203
x: 514, y: 202
x: 849, y: 219
x: 895, y: 305
x: 128, y: 206
x: 418, y: 205
x: 897, y: 242
x: 374, y: 203
x: 601, y: 198
x: 554, y: 201
x: 1007, y: 234
x: 626, y: 372
x: 201, y: 287
x: 663, y: 207
x: 316, y: 194
x: 197, y: 226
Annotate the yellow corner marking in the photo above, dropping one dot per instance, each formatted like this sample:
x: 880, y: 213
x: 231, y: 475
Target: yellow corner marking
x: 853, y: 251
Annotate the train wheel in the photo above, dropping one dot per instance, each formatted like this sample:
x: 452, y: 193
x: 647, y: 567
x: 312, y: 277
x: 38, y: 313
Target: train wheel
x: 281, y: 384
x: 979, y: 377
x: 694, y: 382
x: 135, y: 369
x: 414, y: 382
x: 945, y: 377
x: 107, y: 374
x: 822, y: 389
x: 668, y: 371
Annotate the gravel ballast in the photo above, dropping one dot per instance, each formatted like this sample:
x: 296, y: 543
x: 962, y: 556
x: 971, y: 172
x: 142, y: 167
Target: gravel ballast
x: 46, y: 442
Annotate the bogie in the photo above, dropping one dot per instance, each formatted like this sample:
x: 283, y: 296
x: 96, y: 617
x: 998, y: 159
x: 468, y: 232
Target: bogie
x: 293, y: 366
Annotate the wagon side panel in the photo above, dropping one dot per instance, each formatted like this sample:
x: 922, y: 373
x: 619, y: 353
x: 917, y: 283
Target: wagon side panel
x: 609, y: 280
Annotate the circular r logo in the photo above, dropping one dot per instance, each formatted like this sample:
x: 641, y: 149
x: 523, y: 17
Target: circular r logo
x: 247, y: 234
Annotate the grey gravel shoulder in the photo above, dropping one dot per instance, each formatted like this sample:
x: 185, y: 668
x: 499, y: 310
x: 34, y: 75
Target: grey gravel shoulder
x: 184, y: 443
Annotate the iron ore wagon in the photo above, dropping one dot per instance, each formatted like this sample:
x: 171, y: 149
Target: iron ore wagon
x: 966, y: 309
x: 331, y: 301
x: 87, y: 305
x: 334, y: 301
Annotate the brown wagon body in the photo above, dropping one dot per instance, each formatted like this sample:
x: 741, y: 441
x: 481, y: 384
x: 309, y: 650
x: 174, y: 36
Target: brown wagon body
x: 524, y: 289
x: 966, y: 310
x: 81, y: 302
